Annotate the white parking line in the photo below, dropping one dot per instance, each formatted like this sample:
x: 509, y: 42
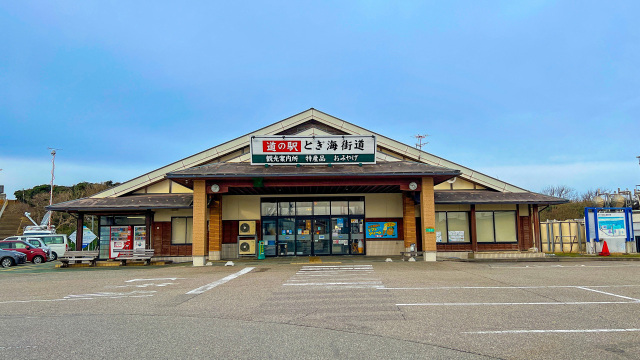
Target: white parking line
x: 524, y: 303
x: 134, y: 280
x: 607, y: 293
x: 225, y: 279
x: 505, y: 287
x: 551, y: 331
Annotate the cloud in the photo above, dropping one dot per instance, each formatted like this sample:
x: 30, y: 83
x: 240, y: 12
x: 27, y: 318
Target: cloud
x: 581, y: 175
x: 25, y: 173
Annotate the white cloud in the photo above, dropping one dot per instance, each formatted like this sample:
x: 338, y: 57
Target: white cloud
x: 26, y: 173
x: 581, y: 176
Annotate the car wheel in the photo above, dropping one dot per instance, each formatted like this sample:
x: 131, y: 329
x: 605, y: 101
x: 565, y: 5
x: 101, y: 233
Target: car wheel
x: 54, y: 256
x: 37, y: 260
x: 6, y: 262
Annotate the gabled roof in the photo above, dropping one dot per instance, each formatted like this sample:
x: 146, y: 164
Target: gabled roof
x: 290, y: 125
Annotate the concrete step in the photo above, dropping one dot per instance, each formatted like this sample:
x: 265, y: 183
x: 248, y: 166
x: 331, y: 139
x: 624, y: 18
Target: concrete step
x: 508, y: 255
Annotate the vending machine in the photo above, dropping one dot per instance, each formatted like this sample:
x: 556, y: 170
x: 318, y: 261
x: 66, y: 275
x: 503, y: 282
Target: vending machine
x: 139, y: 237
x: 120, y: 239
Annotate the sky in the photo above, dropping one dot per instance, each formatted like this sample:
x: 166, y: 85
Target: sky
x: 534, y: 93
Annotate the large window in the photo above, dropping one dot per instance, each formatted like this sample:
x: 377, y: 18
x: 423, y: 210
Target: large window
x: 181, y: 230
x: 496, y: 226
x: 452, y: 227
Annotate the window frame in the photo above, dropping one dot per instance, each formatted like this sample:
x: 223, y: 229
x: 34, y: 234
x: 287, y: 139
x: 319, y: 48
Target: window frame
x: 493, y: 219
x: 446, y: 224
x: 186, y: 230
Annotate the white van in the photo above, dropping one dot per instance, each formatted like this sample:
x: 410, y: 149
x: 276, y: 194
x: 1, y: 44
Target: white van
x: 57, y: 242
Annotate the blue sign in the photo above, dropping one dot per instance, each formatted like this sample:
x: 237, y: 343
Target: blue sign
x: 382, y: 230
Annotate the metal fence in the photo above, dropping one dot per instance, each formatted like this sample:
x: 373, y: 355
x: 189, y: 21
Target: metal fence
x: 568, y: 236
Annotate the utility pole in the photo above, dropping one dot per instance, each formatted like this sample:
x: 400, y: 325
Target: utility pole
x: 53, y: 168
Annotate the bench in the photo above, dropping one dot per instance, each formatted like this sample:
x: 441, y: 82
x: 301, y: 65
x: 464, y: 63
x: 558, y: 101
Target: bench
x: 410, y: 254
x: 135, y: 255
x: 78, y: 257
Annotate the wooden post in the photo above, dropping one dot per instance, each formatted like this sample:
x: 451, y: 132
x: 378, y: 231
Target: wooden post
x: 428, y: 219
x: 148, y: 220
x: 409, y: 220
x: 215, y: 228
x: 200, y: 246
x: 474, y: 229
x: 79, y: 231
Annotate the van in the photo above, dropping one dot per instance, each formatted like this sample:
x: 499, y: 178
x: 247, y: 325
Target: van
x: 57, y: 242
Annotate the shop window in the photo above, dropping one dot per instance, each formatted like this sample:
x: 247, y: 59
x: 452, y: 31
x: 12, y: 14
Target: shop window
x: 269, y: 208
x: 181, y: 230
x: 496, y: 226
x: 356, y: 207
x: 452, y: 227
x: 304, y: 208
x: 287, y: 208
x: 339, y: 208
x: 321, y: 208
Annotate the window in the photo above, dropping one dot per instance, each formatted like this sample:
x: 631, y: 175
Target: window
x: 452, y: 227
x: 356, y: 207
x: 181, y: 230
x: 269, y: 208
x: 496, y: 226
x: 5, y: 245
x: 53, y: 240
x: 287, y: 208
x: 20, y: 245
x: 303, y: 208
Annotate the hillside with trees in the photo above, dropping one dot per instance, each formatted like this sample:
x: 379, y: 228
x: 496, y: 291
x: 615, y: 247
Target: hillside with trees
x: 35, y: 199
x: 574, y: 209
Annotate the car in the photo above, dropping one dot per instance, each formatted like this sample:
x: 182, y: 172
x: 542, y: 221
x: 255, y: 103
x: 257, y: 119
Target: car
x: 40, y: 244
x: 57, y: 242
x: 11, y: 258
x: 34, y: 254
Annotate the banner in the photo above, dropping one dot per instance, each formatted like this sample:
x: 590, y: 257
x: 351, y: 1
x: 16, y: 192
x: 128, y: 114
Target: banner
x: 313, y: 150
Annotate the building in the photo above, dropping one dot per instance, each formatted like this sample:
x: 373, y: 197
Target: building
x: 313, y: 184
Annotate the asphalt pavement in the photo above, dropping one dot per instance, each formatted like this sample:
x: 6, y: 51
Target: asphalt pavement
x: 340, y: 308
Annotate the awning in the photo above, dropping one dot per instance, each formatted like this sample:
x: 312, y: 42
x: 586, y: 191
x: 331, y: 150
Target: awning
x: 126, y: 203
x: 493, y: 197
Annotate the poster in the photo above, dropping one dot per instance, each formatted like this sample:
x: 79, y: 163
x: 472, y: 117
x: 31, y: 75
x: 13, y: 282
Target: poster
x: 611, y: 225
x: 456, y: 236
x: 438, y: 236
x: 382, y: 230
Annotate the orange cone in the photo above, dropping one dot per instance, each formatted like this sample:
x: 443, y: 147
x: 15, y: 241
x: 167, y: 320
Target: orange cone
x: 605, y: 250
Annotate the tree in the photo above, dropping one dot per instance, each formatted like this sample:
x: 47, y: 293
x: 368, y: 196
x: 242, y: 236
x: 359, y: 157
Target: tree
x: 574, y: 209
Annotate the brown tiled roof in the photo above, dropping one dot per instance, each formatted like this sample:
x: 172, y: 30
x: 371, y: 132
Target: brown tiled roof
x: 493, y: 197
x: 127, y: 203
x: 246, y: 170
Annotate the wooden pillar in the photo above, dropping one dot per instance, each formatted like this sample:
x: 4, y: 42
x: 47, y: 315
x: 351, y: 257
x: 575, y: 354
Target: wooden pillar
x: 215, y: 228
x: 409, y: 220
x: 79, y: 231
x: 148, y: 220
x: 428, y: 219
x: 535, y: 215
x: 200, y: 246
x: 474, y: 229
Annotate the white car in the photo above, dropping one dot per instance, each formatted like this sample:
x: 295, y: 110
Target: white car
x: 58, y: 243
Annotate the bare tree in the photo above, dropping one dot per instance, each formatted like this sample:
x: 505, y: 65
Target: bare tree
x: 561, y: 191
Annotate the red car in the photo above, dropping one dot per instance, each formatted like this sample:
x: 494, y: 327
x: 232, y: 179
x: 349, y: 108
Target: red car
x: 34, y: 254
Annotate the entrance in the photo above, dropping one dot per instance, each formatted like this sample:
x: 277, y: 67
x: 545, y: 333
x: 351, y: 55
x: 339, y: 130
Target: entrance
x: 309, y: 227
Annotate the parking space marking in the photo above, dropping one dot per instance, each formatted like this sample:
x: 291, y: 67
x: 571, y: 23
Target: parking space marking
x: 561, y: 266
x: 607, y: 293
x: 225, y: 279
x: 505, y: 287
x: 349, y: 276
x: 524, y: 303
x: 132, y: 294
x: 156, y: 279
x: 551, y: 331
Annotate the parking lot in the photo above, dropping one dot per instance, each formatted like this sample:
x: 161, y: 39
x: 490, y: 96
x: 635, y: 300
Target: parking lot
x: 353, y: 308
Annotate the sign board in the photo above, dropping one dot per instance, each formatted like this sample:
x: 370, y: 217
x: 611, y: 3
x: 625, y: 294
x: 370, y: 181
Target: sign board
x: 87, y: 236
x: 313, y: 150
x: 456, y: 236
x: 382, y: 230
x: 611, y: 225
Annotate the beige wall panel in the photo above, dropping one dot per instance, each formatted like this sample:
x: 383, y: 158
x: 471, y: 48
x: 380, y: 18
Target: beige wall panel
x: 384, y: 247
x: 443, y: 186
x: 179, y: 189
x: 141, y: 191
x: 230, y: 206
x: 167, y: 214
x: 453, y: 207
x: 524, y: 209
x: 481, y: 207
x: 160, y: 188
x: 460, y: 184
x: 480, y: 187
x: 383, y: 205
x: 248, y: 207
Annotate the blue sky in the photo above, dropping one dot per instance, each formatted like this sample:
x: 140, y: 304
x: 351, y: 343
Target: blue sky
x: 534, y: 93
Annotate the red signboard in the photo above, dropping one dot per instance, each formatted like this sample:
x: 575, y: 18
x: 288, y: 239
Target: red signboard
x: 282, y: 146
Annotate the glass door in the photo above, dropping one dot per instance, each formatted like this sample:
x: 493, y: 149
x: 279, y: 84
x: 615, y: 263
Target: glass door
x: 269, y: 231
x: 321, y: 237
x: 303, y: 236
x: 340, y: 235
x: 356, y: 243
x: 286, y: 236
